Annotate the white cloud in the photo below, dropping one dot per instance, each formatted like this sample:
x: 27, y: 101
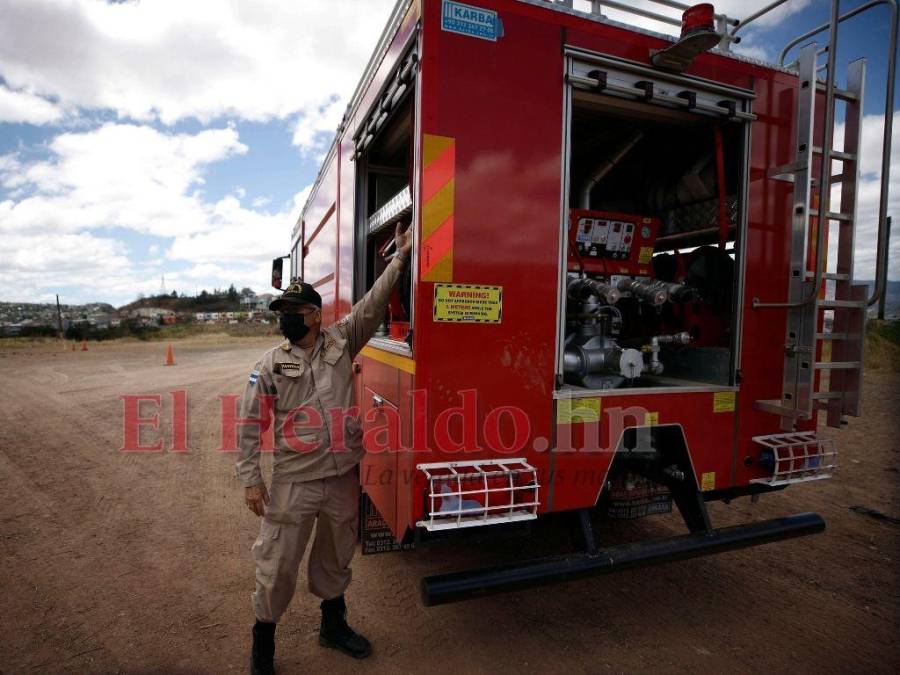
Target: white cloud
x: 32, y: 264
x: 22, y: 107
x: 238, y: 235
x: 204, y: 271
x: 171, y: 59
x: 251, y: 274
x: 119, y: 175
x: 140, y: 179
x: 314, y: 130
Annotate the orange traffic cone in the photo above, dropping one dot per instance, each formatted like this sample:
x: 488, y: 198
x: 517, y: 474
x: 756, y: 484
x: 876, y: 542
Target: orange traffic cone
x: 170, y: 356
x: 84, y: 345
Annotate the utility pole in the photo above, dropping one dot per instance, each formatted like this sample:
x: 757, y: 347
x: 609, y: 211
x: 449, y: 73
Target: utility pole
x: 59, y: 317
x: 884, y: 272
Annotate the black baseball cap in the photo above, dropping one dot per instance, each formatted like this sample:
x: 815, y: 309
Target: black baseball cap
x: 298, y: 293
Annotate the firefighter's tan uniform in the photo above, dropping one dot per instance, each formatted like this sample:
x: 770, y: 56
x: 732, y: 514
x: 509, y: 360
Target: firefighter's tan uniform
x: 315, y: 475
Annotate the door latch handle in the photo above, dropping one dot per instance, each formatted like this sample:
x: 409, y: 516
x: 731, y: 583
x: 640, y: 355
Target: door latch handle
x: 377, y: 401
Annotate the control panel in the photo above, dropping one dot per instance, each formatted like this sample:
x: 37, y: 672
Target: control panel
x: 611, y: 243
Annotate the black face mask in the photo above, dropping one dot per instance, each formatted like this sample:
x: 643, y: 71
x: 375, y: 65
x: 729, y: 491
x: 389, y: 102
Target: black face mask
x: 293, y: 326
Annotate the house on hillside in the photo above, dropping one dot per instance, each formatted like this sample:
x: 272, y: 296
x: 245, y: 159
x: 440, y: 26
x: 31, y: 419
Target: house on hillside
x: 150, y: 313
x: 257, y: 303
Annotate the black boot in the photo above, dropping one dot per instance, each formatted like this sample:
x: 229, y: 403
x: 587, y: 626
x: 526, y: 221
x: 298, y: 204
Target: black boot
x: 335, y: 632
x: 262, y: 656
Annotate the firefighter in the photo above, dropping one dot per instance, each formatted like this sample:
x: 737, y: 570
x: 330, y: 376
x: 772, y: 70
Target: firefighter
x: 305, y: 384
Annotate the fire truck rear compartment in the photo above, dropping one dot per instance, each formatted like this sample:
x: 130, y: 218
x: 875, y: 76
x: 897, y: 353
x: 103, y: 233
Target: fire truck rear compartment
x: 651, y: 254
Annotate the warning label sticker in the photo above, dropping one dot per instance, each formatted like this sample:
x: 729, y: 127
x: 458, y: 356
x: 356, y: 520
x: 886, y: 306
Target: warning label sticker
x: 651, y: 419
x: 708, y: 481
x: 646, y: 255
x: 462, y: 303
x: 577, y: 410
x: 723, y: 401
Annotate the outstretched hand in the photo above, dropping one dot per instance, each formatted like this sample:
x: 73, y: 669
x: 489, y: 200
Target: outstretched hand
x: 403, y: 240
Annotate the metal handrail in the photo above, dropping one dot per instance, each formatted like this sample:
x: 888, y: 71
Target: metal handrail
x: 753, y: 17
x: 849, y: 15
x: 882, y: 252
x: 883, y: 227
x: 597, y: 5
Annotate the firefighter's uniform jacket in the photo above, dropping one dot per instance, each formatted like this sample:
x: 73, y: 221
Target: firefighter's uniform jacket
x: 318, y: 445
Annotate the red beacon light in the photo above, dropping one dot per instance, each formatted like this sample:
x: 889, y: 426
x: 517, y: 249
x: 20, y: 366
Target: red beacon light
x: 698, y: 35
x: 699, y: 18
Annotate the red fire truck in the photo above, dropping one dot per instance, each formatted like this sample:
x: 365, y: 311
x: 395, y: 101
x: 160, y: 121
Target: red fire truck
x: 620, y: 297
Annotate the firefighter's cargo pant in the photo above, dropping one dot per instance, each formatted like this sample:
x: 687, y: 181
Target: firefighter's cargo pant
x: 293, y: 509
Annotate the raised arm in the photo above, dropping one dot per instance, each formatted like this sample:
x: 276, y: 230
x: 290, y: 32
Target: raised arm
x: 367, y: 314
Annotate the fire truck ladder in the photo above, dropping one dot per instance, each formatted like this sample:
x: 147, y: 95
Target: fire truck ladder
x: 807, y: 366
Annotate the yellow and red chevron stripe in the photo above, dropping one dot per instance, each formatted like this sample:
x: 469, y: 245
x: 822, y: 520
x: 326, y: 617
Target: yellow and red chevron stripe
x: 438, y: 199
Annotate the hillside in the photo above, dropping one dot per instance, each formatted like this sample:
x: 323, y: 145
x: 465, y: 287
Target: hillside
x: 205, y: 302
x: 45, y: 313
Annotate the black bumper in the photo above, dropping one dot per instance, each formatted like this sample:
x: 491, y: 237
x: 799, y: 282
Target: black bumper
x: 445, y: 588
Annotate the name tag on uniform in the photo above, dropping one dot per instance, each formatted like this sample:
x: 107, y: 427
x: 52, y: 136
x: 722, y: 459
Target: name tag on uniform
x: 289, y: 369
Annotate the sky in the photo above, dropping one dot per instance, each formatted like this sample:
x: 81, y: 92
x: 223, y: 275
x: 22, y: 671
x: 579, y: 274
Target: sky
x: 142, y: 139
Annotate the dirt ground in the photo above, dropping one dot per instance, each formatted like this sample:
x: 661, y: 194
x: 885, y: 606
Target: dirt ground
x: 140, y: 563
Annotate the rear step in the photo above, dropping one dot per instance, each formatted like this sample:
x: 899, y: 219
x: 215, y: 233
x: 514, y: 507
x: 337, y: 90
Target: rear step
x: 445, y: 588
x: 776, y: 407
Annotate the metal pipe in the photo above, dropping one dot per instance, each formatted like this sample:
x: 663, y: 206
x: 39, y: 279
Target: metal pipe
x: 668, y: 3
x: 653, y: 293
x: 604, y: 169
x: 849, y: 15
x: 445, y: 588
x: 687, y: 239
x: 724, y: 224
x: 679, y: 292
x: 883, y: 297
x: 881, y: 261
x: 683, y: 338
x: 753, y: 17
x: 672, y: 4
x: 642, y: 12
x: 582, y: 288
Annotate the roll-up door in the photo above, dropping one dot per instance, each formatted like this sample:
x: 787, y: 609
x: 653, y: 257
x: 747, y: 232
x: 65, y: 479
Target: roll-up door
x: 398, y: 87
x: 632, y: 82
